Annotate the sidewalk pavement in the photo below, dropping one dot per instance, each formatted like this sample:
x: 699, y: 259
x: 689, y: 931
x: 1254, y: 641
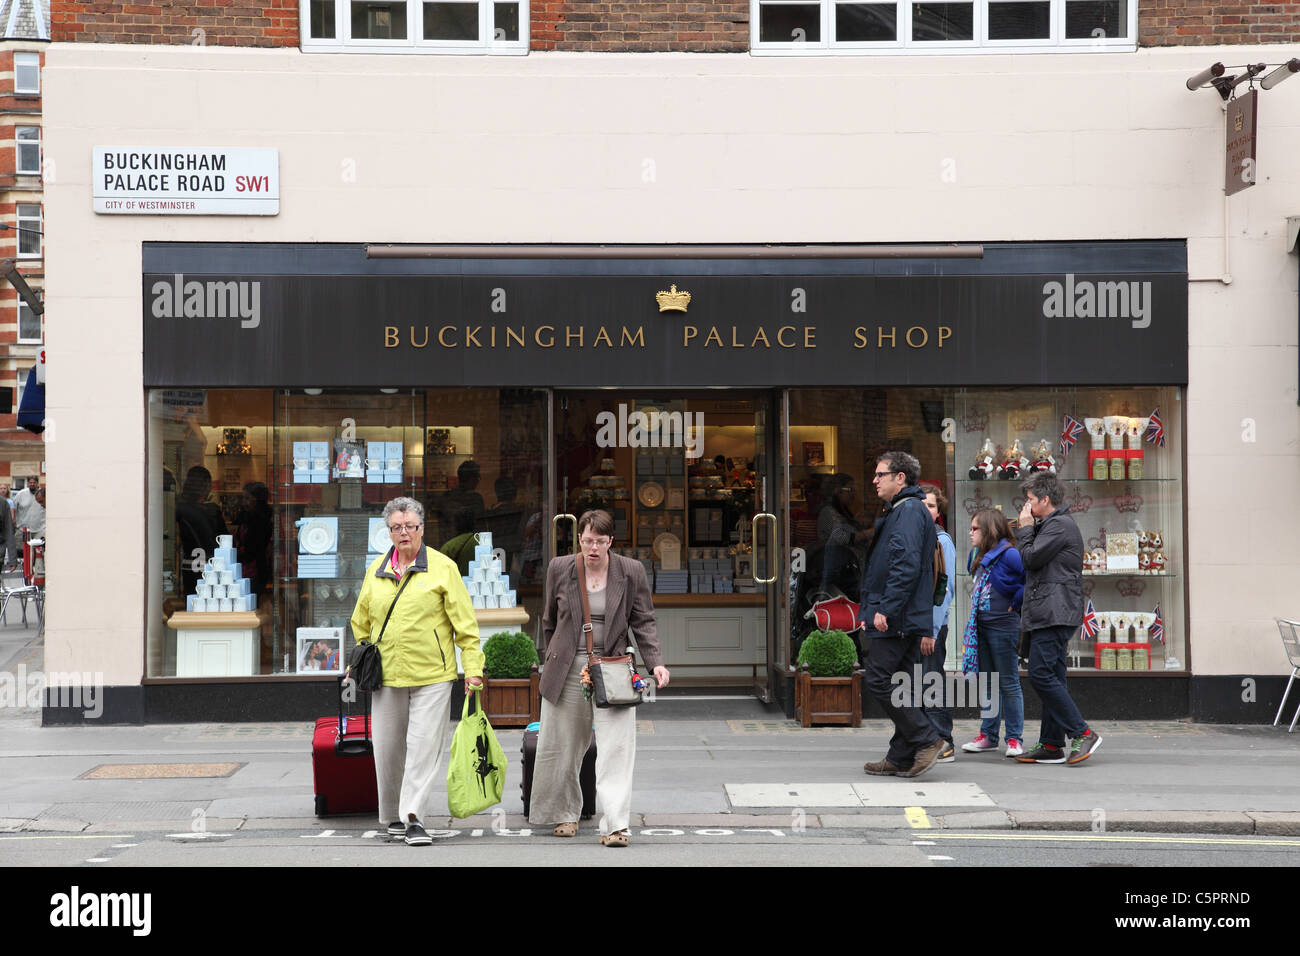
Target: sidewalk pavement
x: 752, y: 770
x: 701, y: 764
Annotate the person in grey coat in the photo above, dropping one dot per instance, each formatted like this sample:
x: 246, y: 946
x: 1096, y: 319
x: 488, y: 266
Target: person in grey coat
x: 1051, y: 548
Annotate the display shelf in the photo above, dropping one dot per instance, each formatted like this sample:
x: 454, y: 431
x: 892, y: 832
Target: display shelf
x: 1015, y: 482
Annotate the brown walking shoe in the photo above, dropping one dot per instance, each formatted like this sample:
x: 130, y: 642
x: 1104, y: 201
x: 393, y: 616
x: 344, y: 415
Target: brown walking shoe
x: 883, y: 768
x: 925, y: 758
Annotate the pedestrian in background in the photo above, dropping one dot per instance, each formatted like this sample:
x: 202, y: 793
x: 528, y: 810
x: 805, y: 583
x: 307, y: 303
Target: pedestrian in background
x: 993, y: 629
x: 934, y: 650
x: 898, y: 609
x: 1052, y: 550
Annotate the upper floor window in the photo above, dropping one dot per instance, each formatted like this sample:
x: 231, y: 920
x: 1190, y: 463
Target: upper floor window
x: 27, y: 146
x: 29, y: 230
x: 27, y: 72
x: 415, y: 26
x: 970, y: 26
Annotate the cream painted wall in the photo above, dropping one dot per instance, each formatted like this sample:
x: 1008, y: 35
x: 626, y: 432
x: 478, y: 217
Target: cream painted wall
x: 685, y: 148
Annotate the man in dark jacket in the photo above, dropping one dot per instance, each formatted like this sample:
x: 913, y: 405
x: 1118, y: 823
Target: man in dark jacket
x: 898, y: 609
x: 1052, y: 550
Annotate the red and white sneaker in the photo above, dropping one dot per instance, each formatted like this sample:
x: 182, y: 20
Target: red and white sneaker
x: 979, y: 745
x: 1014, y: 748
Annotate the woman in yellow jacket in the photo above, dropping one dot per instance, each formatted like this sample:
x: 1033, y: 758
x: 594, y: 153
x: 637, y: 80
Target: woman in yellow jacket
x: 414, y: 606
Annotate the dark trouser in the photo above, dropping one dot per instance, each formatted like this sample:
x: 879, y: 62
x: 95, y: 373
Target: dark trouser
x: 887, y: 656
x: 1061, y: 718
x: 941, y: 714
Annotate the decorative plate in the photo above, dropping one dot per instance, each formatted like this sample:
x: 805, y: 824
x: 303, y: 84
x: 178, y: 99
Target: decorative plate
x: 651, y: 494
x: 666, y: 541
x: 380, y: 538
x: 317, y: 537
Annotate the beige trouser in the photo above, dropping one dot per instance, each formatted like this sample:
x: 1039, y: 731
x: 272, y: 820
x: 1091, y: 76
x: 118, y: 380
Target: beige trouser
x: 409, y: 726
x: 561, y: 744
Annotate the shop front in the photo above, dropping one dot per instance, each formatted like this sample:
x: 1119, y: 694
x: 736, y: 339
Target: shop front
x: 726, y: 407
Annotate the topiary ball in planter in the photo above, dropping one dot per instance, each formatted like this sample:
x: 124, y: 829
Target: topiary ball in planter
x: 509, y: 655
x: 828, y: 654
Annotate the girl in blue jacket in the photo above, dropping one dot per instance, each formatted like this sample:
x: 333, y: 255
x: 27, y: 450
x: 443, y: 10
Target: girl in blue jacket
x: 992, y: 633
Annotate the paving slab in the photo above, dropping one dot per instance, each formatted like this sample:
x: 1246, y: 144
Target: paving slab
x: 793, y: 795
x: 864, y: 821
x: 978, y: 820
x: 917, y: 793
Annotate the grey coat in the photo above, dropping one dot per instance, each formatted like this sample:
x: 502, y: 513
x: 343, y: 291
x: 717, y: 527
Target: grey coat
x: 628, y: 606
x: 1052, y: 551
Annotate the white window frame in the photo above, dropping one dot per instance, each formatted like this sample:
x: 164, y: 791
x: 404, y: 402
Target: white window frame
x: 32, y: 60
x: 18, y: 151
x: 22, y: 222
x: 343, y: 42
x: 904, y: 45
x: 40, y: 324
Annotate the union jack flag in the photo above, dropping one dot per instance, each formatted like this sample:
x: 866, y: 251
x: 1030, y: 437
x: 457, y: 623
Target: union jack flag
x: 1156, y: 429
x: 1070, y: 433
x: 1157, y: 631
x: 1090, y: 627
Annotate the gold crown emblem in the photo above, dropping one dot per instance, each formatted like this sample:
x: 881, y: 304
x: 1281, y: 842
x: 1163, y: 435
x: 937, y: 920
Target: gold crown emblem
x: 1238, y: 121
x: 673, y: 301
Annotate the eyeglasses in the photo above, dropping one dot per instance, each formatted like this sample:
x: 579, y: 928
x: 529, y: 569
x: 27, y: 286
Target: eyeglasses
x: 881, y: 474
x: 399, y: 528
x: 594, y: 542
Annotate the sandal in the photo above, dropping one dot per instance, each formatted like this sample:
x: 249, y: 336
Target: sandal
x: 566, y: 830
x: 617, y: 838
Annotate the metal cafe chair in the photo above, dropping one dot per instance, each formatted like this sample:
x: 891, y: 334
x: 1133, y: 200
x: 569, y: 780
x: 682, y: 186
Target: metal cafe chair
x: 1290, y: 641
x: 33, y: 586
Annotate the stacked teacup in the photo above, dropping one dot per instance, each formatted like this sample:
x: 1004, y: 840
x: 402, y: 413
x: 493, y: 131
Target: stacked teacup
x: 223, y: 588
x: 487, y: 582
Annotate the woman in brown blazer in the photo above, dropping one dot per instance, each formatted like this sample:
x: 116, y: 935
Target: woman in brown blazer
x: 619, y: 596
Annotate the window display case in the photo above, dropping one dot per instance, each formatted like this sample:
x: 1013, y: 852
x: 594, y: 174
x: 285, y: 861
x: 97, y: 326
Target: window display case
x: 1118, y: 453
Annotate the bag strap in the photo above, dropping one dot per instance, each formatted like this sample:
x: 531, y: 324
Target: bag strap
x: 586, y: 605
x: 406, y: 578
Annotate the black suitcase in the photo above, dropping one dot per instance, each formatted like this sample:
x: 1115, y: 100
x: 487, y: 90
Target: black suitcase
x: 586, y: 776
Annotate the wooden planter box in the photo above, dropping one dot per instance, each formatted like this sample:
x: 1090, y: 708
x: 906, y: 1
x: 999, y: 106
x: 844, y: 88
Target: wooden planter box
x: 828, y: 700
x: 512, y: 701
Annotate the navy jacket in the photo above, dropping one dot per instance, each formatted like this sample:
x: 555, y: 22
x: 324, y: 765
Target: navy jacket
x: 899, y: 578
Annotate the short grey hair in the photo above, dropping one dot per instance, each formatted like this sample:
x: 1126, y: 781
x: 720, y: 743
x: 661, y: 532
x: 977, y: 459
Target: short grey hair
x: 404, y: 504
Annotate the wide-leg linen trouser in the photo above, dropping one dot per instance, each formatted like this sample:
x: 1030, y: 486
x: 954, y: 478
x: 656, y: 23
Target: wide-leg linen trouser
x: 561, y: 744
x: 410, y: 727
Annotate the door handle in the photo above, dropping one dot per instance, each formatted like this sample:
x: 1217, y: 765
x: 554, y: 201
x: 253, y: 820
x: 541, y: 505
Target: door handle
x: 753, y: 524
x: 555, y: 532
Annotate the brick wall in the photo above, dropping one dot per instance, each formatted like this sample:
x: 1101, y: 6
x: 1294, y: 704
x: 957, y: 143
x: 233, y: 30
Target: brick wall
x: 1199, y: 23
x: 259, y: 23
x: 641, y: 27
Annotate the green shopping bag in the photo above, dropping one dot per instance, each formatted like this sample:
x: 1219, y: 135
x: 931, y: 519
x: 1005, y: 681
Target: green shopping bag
x: 476, y: 774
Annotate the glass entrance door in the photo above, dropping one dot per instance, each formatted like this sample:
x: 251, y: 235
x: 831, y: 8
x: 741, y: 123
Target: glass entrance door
x: 687, y: 477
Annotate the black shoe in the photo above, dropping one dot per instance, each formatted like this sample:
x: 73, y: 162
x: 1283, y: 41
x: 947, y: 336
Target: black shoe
x: 948, y: 754
x: 415, y: 836
x: 397, y: 828
x: 1043, y: 754
x: 1083, y: 747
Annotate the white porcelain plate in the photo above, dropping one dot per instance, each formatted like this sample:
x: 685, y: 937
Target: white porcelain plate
x: 380, y: 538
x: 651, y: 494
x: 666, y: 541
x: 316, y: 537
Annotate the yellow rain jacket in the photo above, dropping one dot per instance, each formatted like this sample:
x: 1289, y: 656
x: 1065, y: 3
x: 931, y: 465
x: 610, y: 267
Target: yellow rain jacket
x: 433, y: 611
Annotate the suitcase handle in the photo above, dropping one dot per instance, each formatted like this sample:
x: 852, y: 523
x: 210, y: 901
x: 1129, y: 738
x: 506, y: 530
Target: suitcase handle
x: 356, y: 747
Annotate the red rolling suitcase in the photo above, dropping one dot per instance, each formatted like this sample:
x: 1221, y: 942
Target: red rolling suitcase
x: 343, y: 763
x: 586, y: 775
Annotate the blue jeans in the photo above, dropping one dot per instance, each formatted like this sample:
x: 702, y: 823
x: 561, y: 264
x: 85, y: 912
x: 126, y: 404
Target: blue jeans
x: 940, y: 715
x: 1061, y: 718
x: 998, y: 655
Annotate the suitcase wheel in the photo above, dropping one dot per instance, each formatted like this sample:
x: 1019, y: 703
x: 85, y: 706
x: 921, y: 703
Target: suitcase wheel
x: 320, y: 804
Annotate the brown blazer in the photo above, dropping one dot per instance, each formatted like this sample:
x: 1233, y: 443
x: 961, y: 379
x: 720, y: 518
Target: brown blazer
x: 627, y: 604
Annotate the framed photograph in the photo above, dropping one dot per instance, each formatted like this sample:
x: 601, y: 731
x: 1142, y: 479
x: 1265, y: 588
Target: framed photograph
x: 814, y: 453
x: 320, y: 650
x: 349, y: 459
